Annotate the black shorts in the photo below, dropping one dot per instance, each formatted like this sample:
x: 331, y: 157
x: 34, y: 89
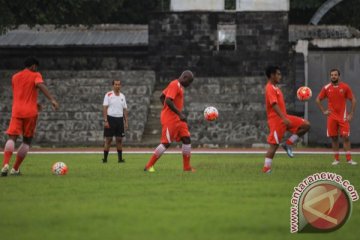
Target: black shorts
x: 116, y: 127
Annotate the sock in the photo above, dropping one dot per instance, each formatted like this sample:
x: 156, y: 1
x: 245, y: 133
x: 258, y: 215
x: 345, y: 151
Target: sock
x: 106, y: 153
x: 268, y: 162
x: 186, y: 152
x: 337, y: 156
x: 8, y: 151
x: 119, y: 154
x: 21, y: 154
x: 156, y: 155
x: 348, y: 156
x: 292, y: 139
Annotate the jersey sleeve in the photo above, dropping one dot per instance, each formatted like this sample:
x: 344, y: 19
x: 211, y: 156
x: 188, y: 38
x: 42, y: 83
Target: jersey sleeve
x: 38, y: 78
x: 348, y: 93
x: 322, y: 93
x: 271, y: 95
x: 106, y: 100
x: 172, y: 90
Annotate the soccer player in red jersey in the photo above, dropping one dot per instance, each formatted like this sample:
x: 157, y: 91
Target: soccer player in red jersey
x: 25, y: 85
x: 278, y: 120
x: 173, y: 121
x: 338, y: 120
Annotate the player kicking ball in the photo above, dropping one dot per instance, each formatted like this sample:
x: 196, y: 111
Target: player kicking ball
x: 173, y: 121
x: 278, y: 120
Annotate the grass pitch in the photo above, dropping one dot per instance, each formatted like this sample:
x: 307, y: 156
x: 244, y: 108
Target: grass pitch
x: 227, y: 198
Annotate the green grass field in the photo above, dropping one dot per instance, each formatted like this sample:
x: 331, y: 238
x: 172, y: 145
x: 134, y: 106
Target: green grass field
x: 227, y: 198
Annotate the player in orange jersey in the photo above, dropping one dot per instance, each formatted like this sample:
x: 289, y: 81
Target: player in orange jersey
x: 278, y: 120
x: 338, y: 120
x: 25, y: 86
x: 173, y: 121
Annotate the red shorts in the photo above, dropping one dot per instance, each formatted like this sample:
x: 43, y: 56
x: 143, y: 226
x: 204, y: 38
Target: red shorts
x: 336, y: 127
x: 22, y: 126
x: 278, y: 128
x: 173, y: 132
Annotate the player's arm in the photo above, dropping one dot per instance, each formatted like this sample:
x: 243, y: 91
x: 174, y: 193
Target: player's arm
x: 47, y: 94
x: 162, y: 98
x: 321, y: 107
x: 351, y: 113
x: 126, y: 122
x: 171, y: 105
x: 105, y: 110
x: 276, y: 108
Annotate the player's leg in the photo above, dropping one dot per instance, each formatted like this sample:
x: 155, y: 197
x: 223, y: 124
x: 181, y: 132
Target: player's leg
x: 119, y: 134
x: 184, y: 134
x: 269, y: 156
x: 345, y: 133
x: 107, y: 145
x: 21, y: 154
x: 109, y: 133
x: 298, y: 128
x: 8, y: 152
x: 277, y: 131
x: 186, y: 153
x: 161, y: 148
x: 119, y: 149
x: 332, y: 131
x: 29, y: 126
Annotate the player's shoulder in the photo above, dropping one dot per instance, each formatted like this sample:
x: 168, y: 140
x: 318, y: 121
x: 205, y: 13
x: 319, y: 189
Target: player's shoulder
x: 271, y: 88
x: 122, y: 95
x: 175, y: 82
x: 326, y: 87
x: 109, y: 94
x: 344, y: 85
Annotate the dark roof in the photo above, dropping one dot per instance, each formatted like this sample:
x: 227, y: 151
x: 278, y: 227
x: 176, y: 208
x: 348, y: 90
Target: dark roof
x: 297, y: 32
x: 98, y: 35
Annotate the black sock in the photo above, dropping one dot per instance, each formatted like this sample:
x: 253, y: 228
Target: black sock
x: 106, y: 153
x: 119, y: 155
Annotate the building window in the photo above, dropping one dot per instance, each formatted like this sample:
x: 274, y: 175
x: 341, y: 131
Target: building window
x: 226, y: 37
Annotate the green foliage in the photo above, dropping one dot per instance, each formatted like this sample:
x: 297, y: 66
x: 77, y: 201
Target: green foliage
x: 227, y: 198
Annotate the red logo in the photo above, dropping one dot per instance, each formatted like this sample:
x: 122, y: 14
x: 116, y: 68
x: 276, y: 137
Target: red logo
x: 325, y: 207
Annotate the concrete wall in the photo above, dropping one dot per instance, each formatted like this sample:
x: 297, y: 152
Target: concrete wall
x: 79, y: 120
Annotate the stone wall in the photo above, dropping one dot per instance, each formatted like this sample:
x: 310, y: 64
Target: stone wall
x: 189, y: 40
x: 79, y: 120
x: 241, y: 105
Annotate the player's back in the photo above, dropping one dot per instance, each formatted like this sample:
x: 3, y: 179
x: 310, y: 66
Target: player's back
x: 25, y: 93
x: 174, y: 91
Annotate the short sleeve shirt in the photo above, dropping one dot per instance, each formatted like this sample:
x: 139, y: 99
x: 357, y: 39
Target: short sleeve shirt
x: 116, y: 104
x: 25, y: 93
x: 175, y: 92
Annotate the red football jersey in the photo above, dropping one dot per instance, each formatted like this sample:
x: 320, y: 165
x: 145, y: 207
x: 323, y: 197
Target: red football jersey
x: 176, y: 92
x: 25, y: 93
x: 273, y: 95
x: 336, y: 96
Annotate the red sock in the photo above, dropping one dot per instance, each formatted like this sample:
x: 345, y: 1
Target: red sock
x: 21, y: 154
x: 8, y: 151
x: 157, y: 154
x: 336, y: 156
x: 348, y: 156
x: 186, y: 152
x: 152, y: 161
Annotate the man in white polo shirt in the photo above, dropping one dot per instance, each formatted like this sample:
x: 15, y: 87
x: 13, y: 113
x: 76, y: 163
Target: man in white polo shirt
x: 115, y: 119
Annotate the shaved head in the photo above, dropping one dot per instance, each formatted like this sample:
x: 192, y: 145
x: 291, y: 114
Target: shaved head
x: 186, y: 78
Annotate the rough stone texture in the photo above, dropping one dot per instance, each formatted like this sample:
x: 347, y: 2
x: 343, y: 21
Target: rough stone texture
x: 240, y: 102
x: 79, y: 120
x: 189, y: 40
